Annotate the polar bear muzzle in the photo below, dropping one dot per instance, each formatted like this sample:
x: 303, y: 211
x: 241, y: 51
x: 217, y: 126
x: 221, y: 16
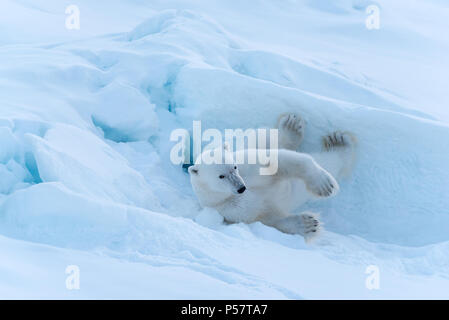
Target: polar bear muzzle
x: 237, y: 181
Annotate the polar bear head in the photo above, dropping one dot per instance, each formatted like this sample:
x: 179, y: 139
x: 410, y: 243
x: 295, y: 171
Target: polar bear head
x: 215, y: 182
x: 218, y: 177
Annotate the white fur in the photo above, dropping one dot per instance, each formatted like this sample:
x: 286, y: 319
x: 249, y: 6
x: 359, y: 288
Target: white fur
x: 269, y: 198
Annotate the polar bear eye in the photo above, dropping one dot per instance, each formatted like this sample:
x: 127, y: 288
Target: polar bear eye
x: 235, y: 167
x: 221, y: 177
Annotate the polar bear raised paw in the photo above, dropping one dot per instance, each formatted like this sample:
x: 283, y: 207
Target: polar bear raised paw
x: 322, y: 184
x: 291, y: 131
x: 338, y: 139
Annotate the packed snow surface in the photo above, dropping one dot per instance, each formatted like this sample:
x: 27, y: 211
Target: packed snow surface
x: 85, y: 120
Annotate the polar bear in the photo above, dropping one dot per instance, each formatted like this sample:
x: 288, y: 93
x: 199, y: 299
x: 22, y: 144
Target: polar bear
x: 240, y: 194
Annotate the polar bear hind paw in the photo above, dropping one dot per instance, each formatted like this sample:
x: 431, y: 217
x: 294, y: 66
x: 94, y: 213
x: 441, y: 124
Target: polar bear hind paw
x: 291, y: 131
x: 338, y: 139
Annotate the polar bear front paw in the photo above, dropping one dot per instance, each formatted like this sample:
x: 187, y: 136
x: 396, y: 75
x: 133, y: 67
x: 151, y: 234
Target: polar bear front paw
x: 322, y: 184
x: 307, y: 224
x: 310, y: 225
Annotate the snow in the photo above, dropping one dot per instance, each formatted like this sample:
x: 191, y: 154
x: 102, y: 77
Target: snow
x: 85, y: 123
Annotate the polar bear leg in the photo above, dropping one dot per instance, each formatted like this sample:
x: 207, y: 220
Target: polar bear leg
x: 306, y: 224
x: 300, y: 165
x: 291, y: 131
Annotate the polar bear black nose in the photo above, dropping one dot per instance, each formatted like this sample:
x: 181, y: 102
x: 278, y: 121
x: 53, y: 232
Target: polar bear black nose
x: 241, y: 190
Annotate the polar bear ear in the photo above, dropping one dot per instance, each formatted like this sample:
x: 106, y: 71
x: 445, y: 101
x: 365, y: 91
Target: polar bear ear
x: 193, y: 170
